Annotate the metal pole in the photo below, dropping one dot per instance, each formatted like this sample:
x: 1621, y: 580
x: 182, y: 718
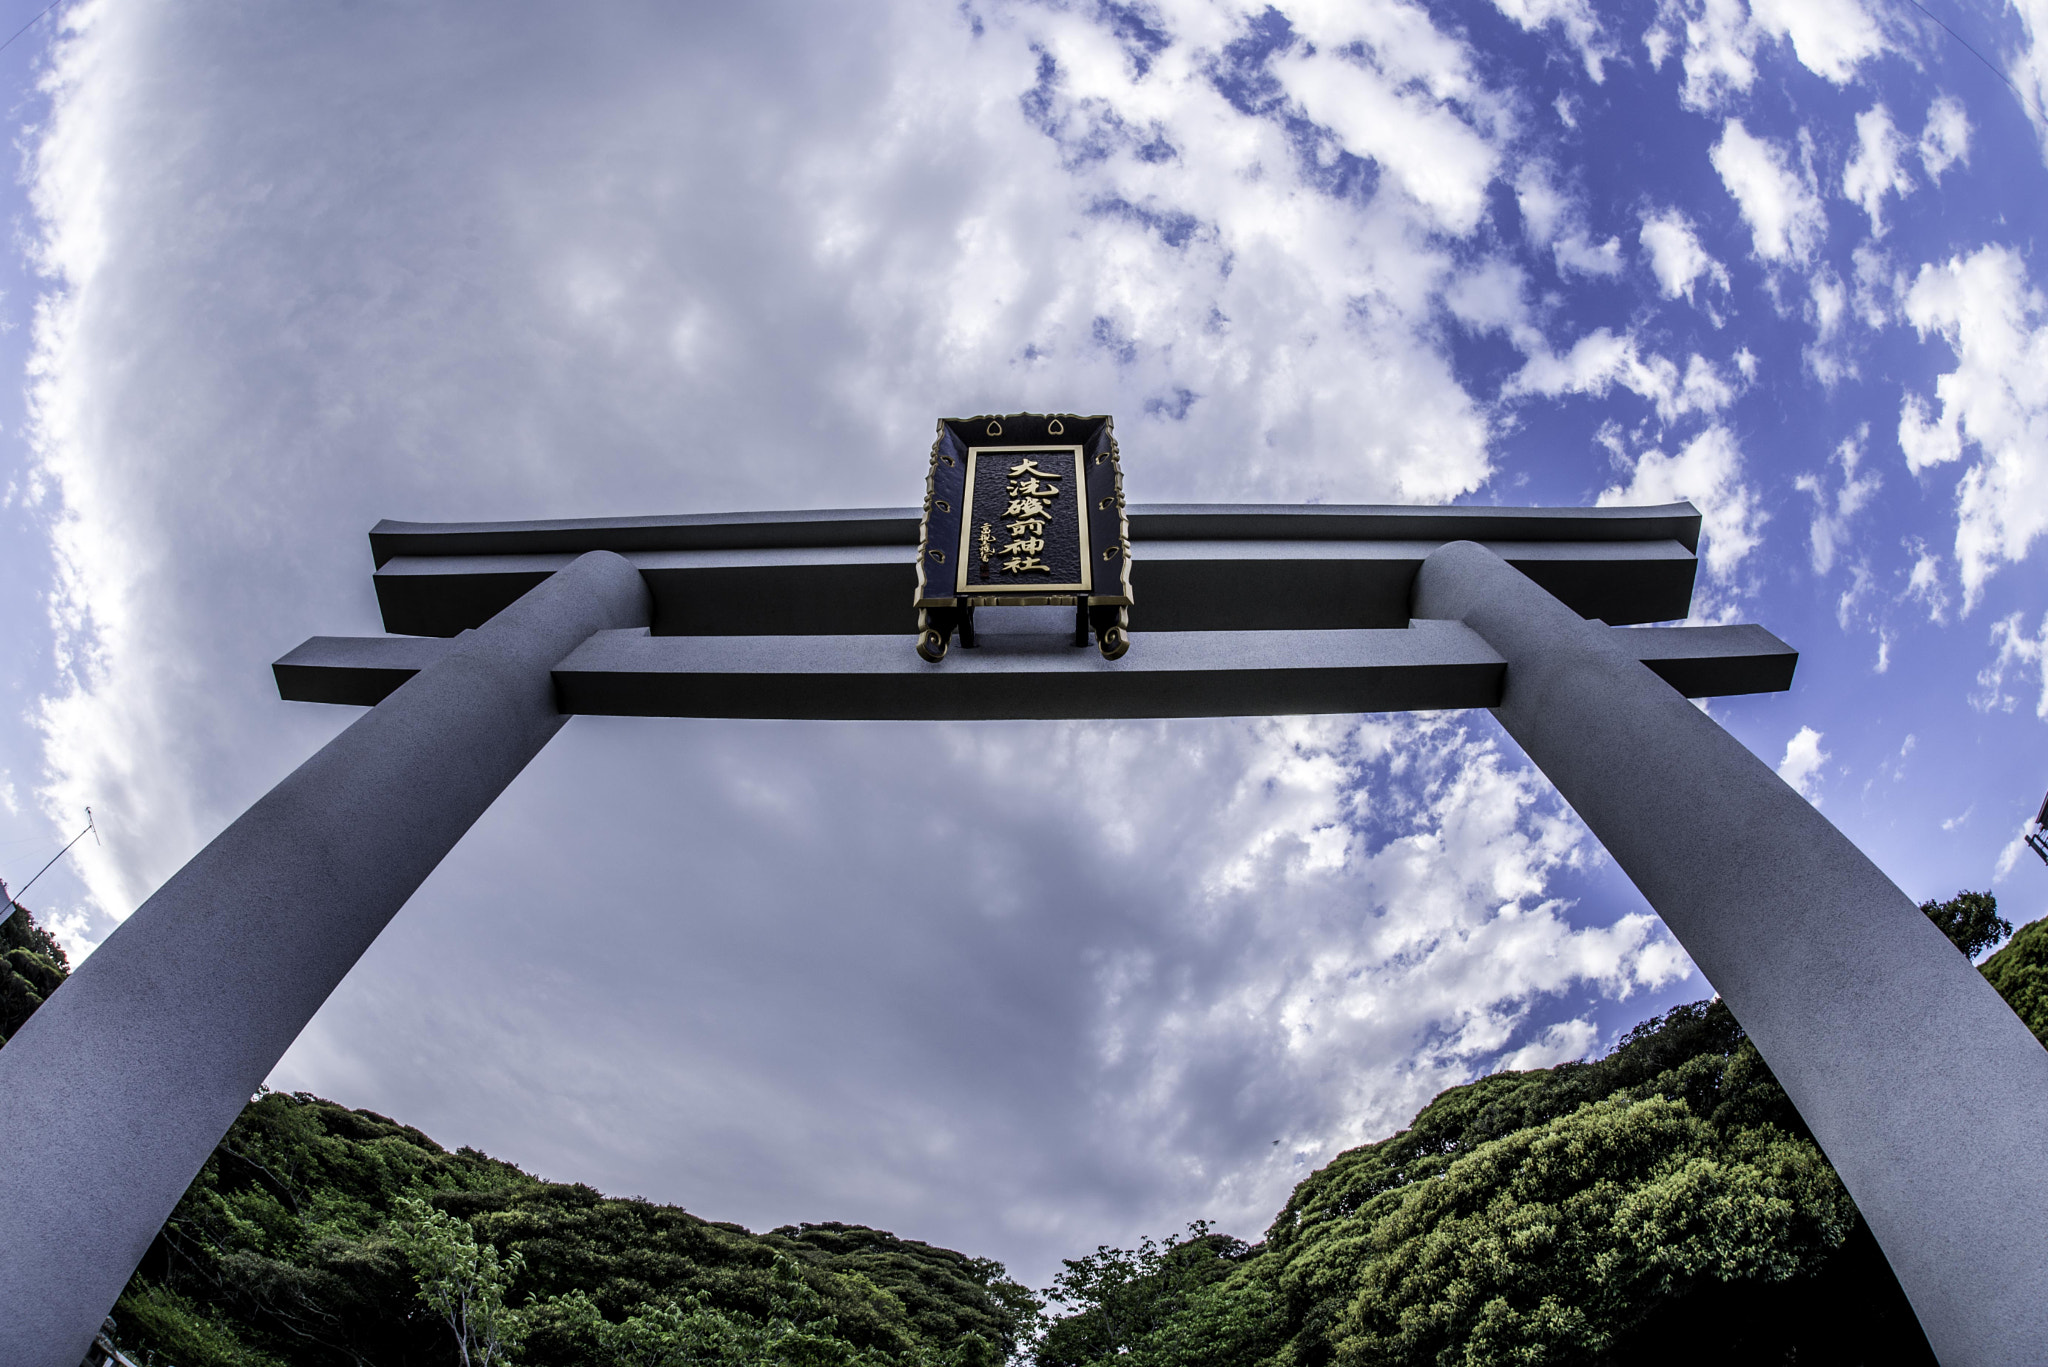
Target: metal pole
x: 1927, y: 1093
x: 120, y: 1085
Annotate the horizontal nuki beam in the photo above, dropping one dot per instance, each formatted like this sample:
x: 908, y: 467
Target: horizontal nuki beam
x: 1423, y: 665
x: 1196, y: 567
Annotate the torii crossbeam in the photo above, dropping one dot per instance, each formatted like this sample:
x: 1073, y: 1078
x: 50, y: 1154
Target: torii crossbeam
x: 1927, y: 1093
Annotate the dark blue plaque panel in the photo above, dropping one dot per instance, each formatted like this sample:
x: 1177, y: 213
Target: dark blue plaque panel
x: 1040, y: 518
x: 1025, y: 528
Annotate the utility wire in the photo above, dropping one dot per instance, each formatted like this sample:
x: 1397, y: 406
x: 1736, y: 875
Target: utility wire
x: 2021, y: 95
x: 14, y: 898
x: 30, y: 24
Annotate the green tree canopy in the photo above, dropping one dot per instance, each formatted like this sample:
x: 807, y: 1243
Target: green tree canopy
x: 1662, y: 1204
x: 32, y: 963
x: 1970, y: 920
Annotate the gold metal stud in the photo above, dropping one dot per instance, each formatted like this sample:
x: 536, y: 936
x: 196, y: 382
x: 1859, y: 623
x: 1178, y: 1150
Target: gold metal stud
x: 995, y: 429
x: 1057, y: 428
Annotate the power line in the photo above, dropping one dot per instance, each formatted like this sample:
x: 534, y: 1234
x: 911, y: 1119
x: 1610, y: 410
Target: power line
x: 30, y: 24
x: 14, y: 898
x: 2019, y: 94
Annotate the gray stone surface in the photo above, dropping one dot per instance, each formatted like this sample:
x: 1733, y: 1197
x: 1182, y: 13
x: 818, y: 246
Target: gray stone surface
x: 1926, y: 1092
x: 1167, y: 674
x: 118, y: 1088
x: 1204, y: 567
x: 1149, y: 521
x: 1190, y: 674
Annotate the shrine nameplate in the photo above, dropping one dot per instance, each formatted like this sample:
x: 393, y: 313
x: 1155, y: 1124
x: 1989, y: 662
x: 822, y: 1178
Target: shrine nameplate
x: 1024, y: 509
x: 1024, y: 525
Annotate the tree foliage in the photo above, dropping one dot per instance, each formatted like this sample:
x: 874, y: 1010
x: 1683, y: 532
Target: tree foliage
x: 1664, y: 1194
x: 1661, y: 1204
x: 2020, y: 973
x: 1118, y: 1297
x: 32, y: 963
x: 462, y: 1280
x: 1970, y: 920
x: 1664, y: 1204
x: 320, y: 1235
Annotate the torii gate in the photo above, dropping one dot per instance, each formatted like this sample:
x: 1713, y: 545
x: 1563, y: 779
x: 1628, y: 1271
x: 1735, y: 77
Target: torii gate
x: 1927, y: 1093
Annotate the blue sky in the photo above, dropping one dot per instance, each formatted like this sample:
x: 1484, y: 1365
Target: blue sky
x: 280, y: 272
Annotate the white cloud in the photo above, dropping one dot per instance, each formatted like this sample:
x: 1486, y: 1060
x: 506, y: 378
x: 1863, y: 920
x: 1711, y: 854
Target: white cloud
x: 1707, y: 470
x: 2010, y: 853
x: 1575, y: 18
x: 1924, y: 584
x: 2029, y: 66
x: 1490, y: 297
x: 1802, y: 763
x: 1551, y: 219
x: 313, y: 267
x: 1879, y: 166
x: 1831, y: 38
x: 1861, y: 582
x: 1544, y: 209
x: 1577, y: 254
x: 1720, y: 38
x: 1995, y: 400
x: 519, y: 292
x: 1786, y: 219
x: 1946, y: 139
x: 1828, y: 309
x: 1304, y: 927
x: 1676, y: 257
x: 1878, y: 286
x: 2017, y: 653
x: 1828, y: 533
x: 1427, y: 149
x: 1719, y: 43
x: 1600, y: 360
x: 1562, y: 1042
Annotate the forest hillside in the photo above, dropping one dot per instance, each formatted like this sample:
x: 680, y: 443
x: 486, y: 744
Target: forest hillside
x: 1663, y: 1203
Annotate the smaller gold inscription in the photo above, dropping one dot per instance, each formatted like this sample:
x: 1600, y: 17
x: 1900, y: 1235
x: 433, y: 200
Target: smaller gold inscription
x: 987, y: 542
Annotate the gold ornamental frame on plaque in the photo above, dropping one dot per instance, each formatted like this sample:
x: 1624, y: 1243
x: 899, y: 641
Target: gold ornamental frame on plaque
x: 1040, y: 595
x: 1096, y: 561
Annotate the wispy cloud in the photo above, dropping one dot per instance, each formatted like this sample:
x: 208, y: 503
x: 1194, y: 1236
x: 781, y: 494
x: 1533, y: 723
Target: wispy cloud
x: 1804, y: 759
x: 1775, y: 193
x: 1996, y: 400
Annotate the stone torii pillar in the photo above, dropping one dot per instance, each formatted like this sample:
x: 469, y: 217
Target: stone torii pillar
x: 118, y: 1088
x: 1928, y: 1095
x: 1924, y: 1089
